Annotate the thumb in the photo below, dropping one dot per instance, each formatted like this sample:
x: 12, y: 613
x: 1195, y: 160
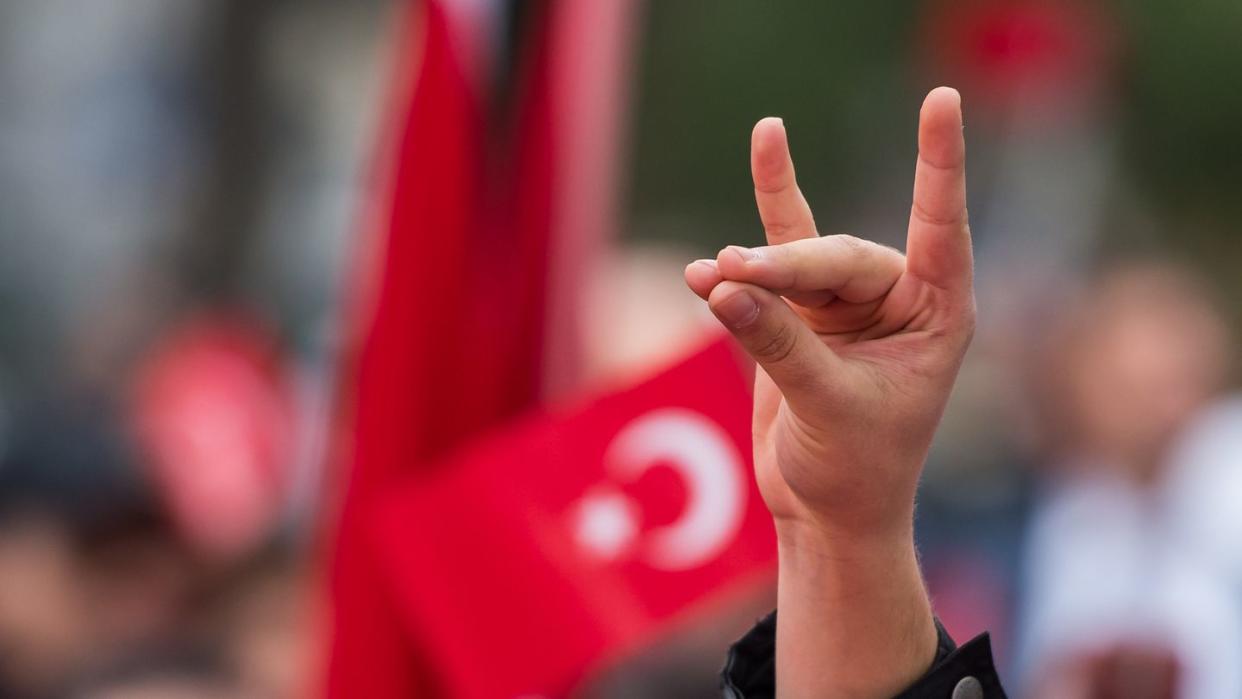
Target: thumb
x: 776, y: 338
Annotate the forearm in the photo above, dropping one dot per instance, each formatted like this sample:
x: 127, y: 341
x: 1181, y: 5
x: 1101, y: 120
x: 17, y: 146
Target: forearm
x: 854, y: 619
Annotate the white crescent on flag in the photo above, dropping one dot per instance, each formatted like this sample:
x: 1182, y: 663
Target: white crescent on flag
x: 710, y: 467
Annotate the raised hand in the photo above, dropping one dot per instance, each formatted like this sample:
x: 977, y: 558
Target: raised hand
x: 858, y: 358
x: 858, y: 346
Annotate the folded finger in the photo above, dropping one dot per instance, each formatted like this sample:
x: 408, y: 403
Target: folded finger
x: 702, y: 276
x: 800, y: 365
x: 855, y: 270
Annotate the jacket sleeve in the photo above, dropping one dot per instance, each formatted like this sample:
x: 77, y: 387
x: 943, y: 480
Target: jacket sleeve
x: 956, y: 673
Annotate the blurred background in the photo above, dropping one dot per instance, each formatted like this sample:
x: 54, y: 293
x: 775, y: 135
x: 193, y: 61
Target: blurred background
x: 268, y: 269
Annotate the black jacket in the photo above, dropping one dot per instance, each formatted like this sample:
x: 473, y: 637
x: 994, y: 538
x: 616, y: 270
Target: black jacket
x: 956, y: 673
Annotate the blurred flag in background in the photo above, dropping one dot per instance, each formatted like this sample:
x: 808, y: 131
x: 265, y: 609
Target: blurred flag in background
x: 542, y: 553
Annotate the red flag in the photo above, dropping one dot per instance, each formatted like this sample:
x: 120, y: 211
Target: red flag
x: 398, y: 402
x: 489, y: 220
x: 549, y: 550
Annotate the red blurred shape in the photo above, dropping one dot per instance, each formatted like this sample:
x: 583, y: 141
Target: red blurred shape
x: 491, y: 209
x: 213, y: 412
x: 998, y: 49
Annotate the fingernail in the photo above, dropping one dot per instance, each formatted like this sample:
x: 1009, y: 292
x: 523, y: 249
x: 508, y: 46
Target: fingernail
x: 745, y: 253
x: 711, y: 264
x: 738, y: 311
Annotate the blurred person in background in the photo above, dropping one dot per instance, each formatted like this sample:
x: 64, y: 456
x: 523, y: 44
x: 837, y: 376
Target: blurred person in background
x: 82, y: 573
x: 41, y: 607
x: 102, y: 595
x: 158, y: 159
x: 267, y: 628
x: 1130, y: 587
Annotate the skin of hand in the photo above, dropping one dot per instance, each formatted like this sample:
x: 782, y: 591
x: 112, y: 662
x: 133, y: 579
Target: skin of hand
x: 857, y: 347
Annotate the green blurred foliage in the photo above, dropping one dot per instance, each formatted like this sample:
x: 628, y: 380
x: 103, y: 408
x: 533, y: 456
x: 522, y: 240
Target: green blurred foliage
x: 1182, y: 106
x: 835, y: 71
x: 1181, y: 126
x: 846, y: 76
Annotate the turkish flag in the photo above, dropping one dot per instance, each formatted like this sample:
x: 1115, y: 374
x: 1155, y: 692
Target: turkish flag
x: 402, y: 401
x: 556, y: 546
x: 497, y: 188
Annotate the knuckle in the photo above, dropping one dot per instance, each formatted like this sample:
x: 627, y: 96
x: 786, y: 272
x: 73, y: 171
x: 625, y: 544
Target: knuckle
x: 929, y: 218
x: 777, y: 228
x: 773, y: 185
x: 850, y: 243
x: 857, y: 250
x: 969, y: 322
x: 775, y: 347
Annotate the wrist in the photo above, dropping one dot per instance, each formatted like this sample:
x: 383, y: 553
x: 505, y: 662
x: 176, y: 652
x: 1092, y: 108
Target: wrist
x: 857, y: 538
x: 864, y: 565
x: 855, y: 620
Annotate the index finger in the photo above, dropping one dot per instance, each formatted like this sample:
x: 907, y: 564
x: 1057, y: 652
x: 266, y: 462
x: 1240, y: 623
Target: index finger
x: 783, y: 209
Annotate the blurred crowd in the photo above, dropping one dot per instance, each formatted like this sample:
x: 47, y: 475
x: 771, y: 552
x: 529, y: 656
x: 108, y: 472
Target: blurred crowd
x: 180, y: 183
x: 176, y: 184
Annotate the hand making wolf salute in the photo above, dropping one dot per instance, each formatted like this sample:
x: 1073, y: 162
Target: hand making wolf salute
x: 858, y: 346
